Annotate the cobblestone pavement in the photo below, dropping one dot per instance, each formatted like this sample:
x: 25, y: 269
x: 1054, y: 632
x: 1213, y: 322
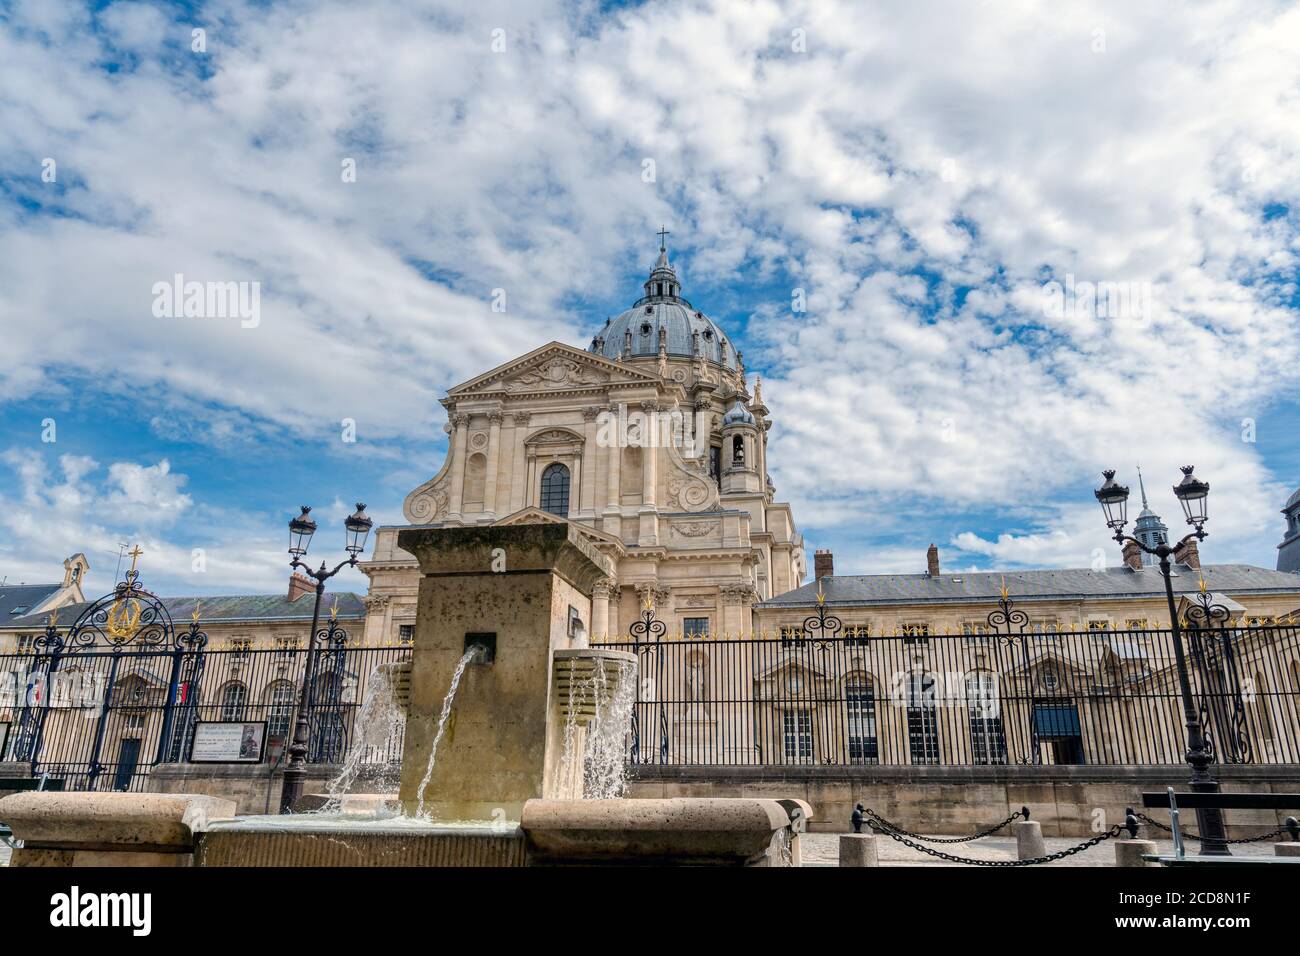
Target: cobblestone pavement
x: 822, y: 849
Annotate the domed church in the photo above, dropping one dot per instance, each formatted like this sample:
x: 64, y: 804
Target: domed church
x: 649, y: 442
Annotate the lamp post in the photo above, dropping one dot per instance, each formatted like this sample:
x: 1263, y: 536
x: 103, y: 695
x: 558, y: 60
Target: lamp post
x: 301, y: 528
x: 1191, y: 493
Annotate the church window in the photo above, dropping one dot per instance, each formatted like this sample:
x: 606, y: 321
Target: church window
x: 555, y: 490
x: 646, y: 328
x: 715, y: 463
x: 738, y: 450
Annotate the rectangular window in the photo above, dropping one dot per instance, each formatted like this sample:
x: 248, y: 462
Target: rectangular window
x: 790, y: 634
x: 26, y: 643
x: 856, y: 635
x: 695, y: 626
x: 798, y: 736
x: 241, y: 646
x: 915, y: 633
x: 975, y: 632
x: 1099, y: 625
x: 1136, y: 624
x: 285, y: 647
x: 405, y: 633
x: 1045, y: 628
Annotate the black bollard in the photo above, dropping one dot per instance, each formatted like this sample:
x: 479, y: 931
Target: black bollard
x: 856, y: 819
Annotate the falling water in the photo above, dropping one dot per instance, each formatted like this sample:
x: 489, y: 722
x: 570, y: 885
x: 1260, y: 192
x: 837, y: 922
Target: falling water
x: 602, y: 763
x: 606, y: 763
x: 468, y: 656
x: 380, y: 725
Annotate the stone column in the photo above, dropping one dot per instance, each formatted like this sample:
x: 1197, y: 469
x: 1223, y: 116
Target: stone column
x: 600, y: 609
x: 460, y: 425
x: 587, y: 492
x: 493, y: 452
x: 518, y: 477
x: 613, y: 477
x: 650, y: 471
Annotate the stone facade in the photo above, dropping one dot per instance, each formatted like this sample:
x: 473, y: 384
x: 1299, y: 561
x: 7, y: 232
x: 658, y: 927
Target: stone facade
x: 658, y: 456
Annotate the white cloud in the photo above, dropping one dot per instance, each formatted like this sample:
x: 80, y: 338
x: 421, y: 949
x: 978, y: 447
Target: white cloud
x: 979, y: 151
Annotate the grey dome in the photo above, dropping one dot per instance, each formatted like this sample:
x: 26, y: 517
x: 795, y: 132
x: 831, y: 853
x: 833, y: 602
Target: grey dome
x: 662, y: 307
x: 1292, y: 501
x: 738, y: 414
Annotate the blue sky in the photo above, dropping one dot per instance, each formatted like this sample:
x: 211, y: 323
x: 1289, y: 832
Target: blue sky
x: 920, y: 174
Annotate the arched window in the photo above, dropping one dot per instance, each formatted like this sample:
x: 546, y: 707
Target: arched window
x: 922, y: 719
x: 988, y: 739
x: 280, y: 716
x: 738, y: 450
x: 555, y: 490
x: 475, y: 479
x: 233, y: 697
x: 860, y: 709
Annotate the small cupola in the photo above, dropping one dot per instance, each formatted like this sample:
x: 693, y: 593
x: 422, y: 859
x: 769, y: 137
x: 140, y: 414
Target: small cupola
x: 663, y: 283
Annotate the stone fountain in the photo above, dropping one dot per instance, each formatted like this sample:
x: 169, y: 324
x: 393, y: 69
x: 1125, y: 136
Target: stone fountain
x: 502, y: 697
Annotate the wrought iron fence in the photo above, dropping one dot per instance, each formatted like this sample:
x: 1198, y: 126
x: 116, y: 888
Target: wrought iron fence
x: 100, y: 717
x: 822, y: 694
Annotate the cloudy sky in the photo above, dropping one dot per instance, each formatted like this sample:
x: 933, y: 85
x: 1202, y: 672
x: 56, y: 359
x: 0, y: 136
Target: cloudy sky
x: 920, y: 174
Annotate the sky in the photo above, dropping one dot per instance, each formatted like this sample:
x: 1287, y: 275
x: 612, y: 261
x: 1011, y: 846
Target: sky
x: 895, y: 210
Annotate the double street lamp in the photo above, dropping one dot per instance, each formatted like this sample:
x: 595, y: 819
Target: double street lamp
x: 1191, y: 493
x: 301, y: 528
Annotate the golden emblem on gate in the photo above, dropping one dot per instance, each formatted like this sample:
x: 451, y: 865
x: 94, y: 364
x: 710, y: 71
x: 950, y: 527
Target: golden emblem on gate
x: 123, y: 617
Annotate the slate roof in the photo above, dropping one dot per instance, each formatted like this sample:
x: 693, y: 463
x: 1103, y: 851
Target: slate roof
x: 22, y: 595
x: 232, y: 608
x: 981, y: 587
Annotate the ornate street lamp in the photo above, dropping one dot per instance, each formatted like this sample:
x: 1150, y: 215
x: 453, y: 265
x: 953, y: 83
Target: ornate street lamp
x: 1192, y: 494
x: 301, y: 528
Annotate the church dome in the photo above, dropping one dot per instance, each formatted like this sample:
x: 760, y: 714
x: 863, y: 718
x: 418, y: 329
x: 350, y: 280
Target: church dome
x: 685, y: 328
x: 738, y: 414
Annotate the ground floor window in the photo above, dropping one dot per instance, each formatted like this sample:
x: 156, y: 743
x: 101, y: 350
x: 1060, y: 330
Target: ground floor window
x: 860, y: 704
x: 798, y: 735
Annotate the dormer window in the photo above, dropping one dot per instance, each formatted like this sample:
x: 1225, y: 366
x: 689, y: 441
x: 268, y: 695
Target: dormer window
x: 708, y: 334
x: 20, y: 609
x: 646, y: 328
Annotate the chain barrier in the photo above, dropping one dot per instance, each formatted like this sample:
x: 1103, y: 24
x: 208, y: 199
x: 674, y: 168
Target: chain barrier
x: 1113, y: 832
x: 1197, y: 837
x: 880, y: 823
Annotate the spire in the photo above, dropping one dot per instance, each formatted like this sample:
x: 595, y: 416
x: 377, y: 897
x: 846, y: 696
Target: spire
x: 1142, y: 488
x: 662, y: 283
x: 1149, y: 529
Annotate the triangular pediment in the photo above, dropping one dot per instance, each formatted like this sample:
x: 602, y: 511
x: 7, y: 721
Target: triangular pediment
x: 553, y: 367
x: 535, y: 515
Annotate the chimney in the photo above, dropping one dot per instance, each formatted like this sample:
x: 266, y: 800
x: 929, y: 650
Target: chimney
x: 932, y: 561
x: 1189, y: 554
x: 823, y: 564
x: 300, y: 584
x: 1133, y: 556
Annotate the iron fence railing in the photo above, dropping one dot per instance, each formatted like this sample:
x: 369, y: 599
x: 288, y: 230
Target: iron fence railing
x: 834, y: 696
x: 100, y: 718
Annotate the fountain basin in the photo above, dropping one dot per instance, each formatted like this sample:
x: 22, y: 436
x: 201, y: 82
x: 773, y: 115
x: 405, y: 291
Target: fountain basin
x: 695, y: 831
x: 360, y: 840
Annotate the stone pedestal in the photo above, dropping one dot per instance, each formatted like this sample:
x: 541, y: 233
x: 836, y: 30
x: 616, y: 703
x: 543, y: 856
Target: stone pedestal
x: 109, y: 829
x: 1128, y: 853
x: 858, y: 849
x: 1286, y: 849
x: 1029, y: 839
x: 502, y: 745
